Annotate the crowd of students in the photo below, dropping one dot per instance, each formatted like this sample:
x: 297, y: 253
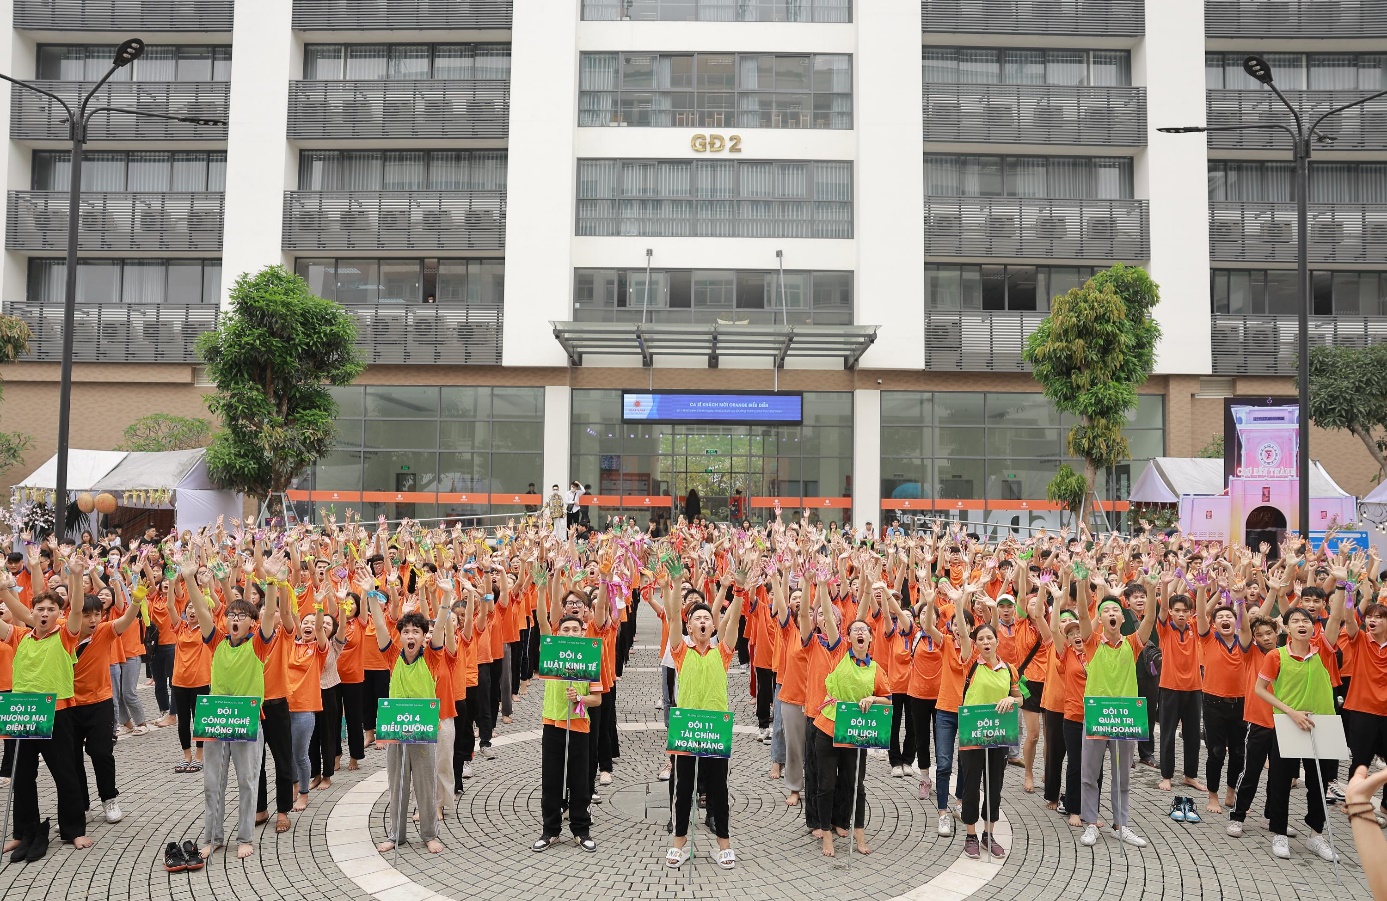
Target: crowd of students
x: 321, y: 623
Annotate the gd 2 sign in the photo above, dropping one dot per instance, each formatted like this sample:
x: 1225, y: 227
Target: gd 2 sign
x: 702, y: 143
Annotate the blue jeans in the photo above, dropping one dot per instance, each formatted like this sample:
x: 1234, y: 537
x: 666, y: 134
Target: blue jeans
x: 777, y: 731
x: 945, y: 731
x: 301, y: 728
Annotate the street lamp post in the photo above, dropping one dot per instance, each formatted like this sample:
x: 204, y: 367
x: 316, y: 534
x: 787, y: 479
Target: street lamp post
x: 1302, y: 139
x: 77, y: 123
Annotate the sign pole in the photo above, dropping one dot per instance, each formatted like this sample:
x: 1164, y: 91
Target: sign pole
x: 567, y: 726
x: 9, y: 799
x: 401, y: 815
x: 1324, y: 806
x: 693, y: 828
x: 987, y: 794
x: 857, y: 761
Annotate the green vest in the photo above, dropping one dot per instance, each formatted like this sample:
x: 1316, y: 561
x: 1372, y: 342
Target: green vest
x: 1112, y: 671
x: 848, y: 682
x: 703, y: 681
x: 1303, y: 684
x: 236, y: 670
x: 988, y: 686
x: 556, y: 706
x: 412, y: 680
x: 44, y: 666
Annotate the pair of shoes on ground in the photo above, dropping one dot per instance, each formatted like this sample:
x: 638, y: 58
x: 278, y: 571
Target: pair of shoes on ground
x: 1182, y: 810
x: 1124, y: 834
x: 33, y: 844
x: 1316, y: 844
x: 675, y: 857
x: 181, y: 858
x: 972, y: 846
x: 544, y: 842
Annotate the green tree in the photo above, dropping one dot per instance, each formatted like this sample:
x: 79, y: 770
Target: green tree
x: 1068, y: 489
x: 166, y: 432
x: 1348, y: 391
x: 1214, y: 449
x: 14, y: 343
x: 273, y: 356
x: 1090, y: 354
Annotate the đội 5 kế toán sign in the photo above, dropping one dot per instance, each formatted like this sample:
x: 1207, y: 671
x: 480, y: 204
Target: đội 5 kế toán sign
x: 981, y: 726
x: 699, y: 733
x: 852, y: 728
x: 570, y: 657
x: 226, y: 718
x: 1119, y: 718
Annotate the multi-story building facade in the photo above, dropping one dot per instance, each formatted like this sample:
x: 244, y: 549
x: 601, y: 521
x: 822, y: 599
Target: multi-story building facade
x: 530, y: 208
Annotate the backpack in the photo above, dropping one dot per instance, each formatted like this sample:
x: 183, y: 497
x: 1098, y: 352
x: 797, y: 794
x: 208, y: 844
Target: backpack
x: 1149, y: 662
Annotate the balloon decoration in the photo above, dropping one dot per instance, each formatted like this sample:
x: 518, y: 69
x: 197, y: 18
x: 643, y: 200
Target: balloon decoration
x: 85, y: 502
x: 106, y: 503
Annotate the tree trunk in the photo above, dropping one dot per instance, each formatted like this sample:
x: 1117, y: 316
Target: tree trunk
x: 1090, y: 478
x: 1370, y: 443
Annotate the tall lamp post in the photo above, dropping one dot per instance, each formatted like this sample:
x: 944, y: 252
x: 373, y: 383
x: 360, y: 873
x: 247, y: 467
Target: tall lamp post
x: 77, y: 124
x: 1302, y: 140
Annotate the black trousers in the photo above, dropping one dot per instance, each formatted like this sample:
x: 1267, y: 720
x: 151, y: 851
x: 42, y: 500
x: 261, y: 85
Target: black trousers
x: 326, y: 743
x: 1283, y: 770
x: 93, y: 731
x: 351, y: 696
x: 602, y: 723
x: 558, y: 774
x: 1074, y: 766
x: 1149, y: 688
x: 58, y: 757
x: 464, y: 741
x: 1259, y: 745
x: 1180, y: 708
x: 838, y: 767
x: 516, y: 652
x: 184, y: 700
x: 708, y: 774
x: 279, y: 740
x: 971, y: 764
x: 921, y: 721
x: 522, y: 667
x: 1367, y: 738
x: 162, y: 664
x: 625, y: 637
x: 811, y: 775
x: 1225, y: 734
x: 901, y: 754
x: 531, y: 651
x: 492, y: 696
x: 743, y: 643
x: 1055, y: 749
x: 765, y: 696
x: 376, y: 686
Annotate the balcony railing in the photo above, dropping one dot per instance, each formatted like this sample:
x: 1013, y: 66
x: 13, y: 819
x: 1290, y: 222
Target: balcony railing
x: 977, y: 340
x: 1266, y: 232
x: 1361, y: 128
x: 1295, y: 18
x: 382, y: 15
x: 1097, y: 18
x: 429, y: 334
x: 124, y: 16
x: 1105, y: 230
x: 1267, y: 345
x: 394, y: 220
x: 117, y: 221
x: 34, y: 117
x: 117, y: 333
x: 1035, y: 114
x: 666, y: 316
x: 398, y: 109
x: 718, y: 10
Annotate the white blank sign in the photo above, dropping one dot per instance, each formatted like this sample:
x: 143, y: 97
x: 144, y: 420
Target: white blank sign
x: 1325, y: 742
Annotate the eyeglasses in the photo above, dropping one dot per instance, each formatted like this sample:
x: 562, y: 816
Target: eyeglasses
x: 236, y: 617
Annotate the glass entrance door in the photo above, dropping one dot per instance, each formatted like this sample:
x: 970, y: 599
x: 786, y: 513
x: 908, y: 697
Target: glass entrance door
x: 717, y: 461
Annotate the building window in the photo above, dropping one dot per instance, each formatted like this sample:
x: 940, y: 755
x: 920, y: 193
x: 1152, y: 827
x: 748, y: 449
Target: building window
x: 1274, y: 182
x: 707, y: 198
x: 127, y: 281
x: 133, y: 170
x: 1273, y: 292
x: 87, y: 62
x: 1299, y: 71
x: 402, y: 170
x: 367, y: 282
x: 716, y: 90
x: 719, y: 10
x: 1053, y: 177
x: 419, y: 62
x: 711, y: 296
x: 1016, y: 288
x: 987, y: 65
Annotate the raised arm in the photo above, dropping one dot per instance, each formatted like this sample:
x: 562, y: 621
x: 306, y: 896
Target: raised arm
x: 204, y: 615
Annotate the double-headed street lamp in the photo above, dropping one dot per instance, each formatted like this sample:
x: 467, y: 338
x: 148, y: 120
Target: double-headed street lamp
x: 77, y: 123
x: 1302, y: 139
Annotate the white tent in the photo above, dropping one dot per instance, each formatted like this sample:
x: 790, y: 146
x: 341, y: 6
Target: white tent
x: 84, y: 469
x: 1167, y: 478
x: 1377, y: 496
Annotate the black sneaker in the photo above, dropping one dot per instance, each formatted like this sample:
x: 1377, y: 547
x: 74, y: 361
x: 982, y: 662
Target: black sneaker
x: 543, y: 842
x: 192, y: 856
x: 26, y: 838
x: 174, y: 861
x: 587, y: 844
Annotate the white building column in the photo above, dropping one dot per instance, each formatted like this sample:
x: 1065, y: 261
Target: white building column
x: 866, y: 457
x: 17, y: 58
x: 558, y: 437
x: 1172, y: 173
x: 265, y: 57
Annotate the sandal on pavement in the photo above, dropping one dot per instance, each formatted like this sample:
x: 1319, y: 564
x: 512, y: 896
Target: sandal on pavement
x: 727, y: 858
x: 675, y: 857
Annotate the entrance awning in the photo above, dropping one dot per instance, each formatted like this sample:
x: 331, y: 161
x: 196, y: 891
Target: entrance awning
x: 782, y: 342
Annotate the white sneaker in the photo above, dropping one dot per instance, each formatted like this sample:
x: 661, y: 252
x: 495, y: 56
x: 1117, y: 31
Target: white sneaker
x: 113, y: 812
x: 1290, y: 830
x: 897, y: 772
x: 605, y: 779
x: 1334, y: 793
x: 467, y: 769
x: 1280, y: 847
x: 1128, y: 837
x: 946, y: 824
x: 1235, y: 829
x: 1318, y: 844
x: 1090, y: 836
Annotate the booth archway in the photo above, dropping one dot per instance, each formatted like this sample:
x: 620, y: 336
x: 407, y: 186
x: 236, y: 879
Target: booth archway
x: 1266, y: 523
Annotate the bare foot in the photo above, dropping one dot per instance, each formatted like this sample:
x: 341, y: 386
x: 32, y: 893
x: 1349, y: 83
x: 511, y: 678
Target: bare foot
x: 167, y: 721
x: 82, y: 843
x: 793, y: 800
x: 1075, y: 821
x: 1165, y: 785
x: 817, y: 833
x: 435, y: 846
x: 841, y: 833
x: 861, y: 836
x: 1213, y: 806
x: 315, y: 782
x: 337, y: 763
x: 208, y: 850
x: 1028, y: 785
x: 828, y: 844
x: 507, y: 720
x: 775, y: 771
x: 244, y: 850
x: 1052, y: 805
x: 352, y: 765
x: 1196, y: 784
x: 301, y: 804
x: 11, y: 845
x: 385, y: 846
x: 1230, y: 798
x: 326, y: 783
x: 282, y: 824
x: 262, y: 817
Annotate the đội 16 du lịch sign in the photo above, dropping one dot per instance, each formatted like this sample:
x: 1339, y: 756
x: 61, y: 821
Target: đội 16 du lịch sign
x: 1120, y: 718
x: 981, y: 726
x: 410, y: 721
x: 570, y: 657
x: 852, y: 728
x: 27, y: 715
x: 226, y: 718
x: 699, y: 733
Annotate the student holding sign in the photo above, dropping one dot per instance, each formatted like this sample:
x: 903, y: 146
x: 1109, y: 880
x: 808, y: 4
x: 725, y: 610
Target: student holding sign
x: 991, y: 681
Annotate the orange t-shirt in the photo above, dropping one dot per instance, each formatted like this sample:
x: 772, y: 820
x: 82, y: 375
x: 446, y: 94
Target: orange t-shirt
x: 897, y: 644
x: 794, y: 673
x: 1052, y: 697
x: 608, y: 637
x: 1073, y: 672
x: 303, y: 675
x: 130, y: 640
x: 1223, y: 666
x: 91, y: 676
x: 457, y: 668
x: 352, y: 657
x: 762, y: 618
x: 161, y: 617
x: 1365, y: 663
x: 7, y: 656
x: 371, y: 656
x: 192, y: 658
x: 926, y: 667
x: 955, y: 671
x: 277, y: 665
x: 1255, y: 710
x: 1014, y: 643
x: 486, y: 642
x: 821, y: 660
x: 1179, y: 657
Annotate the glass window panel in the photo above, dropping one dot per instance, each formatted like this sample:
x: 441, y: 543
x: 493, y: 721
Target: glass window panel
x: 323, y: 62
x: 157, y: 64
x: 386, y: 433
x: 400, y: 470
x: 358, y: 281
x: 825, y: 408
x: 189, y: 172
x: 466, y: 403
x: 1146, y: 443
x: 221, y: 64
x: 103, y: 171
x: 51, y: 170
x: 517, y: 436
x: 1066, y: 67
x: 515, y: 472
x: 958, y: 408
x: 941, y: 65
x: 350, y: 400
x: 211, y: 281
x: 400, y: 281
x: 1014, y: 480
x: 1149, y: 414
x: 401, y: 402
x: 463, y: 472
x: 409, y: 61
x: 98, y: 281
x: 1017, y: 442
x: 144, y: 281
x: 339, y: 470
x: 1112, y: 68
x: 914, y: 441
x: 148, y: 171
x: 195, y: 64
x: 906, y: 408
x: 366, y: 62
x: 404, y: 171
x: 465, y: 435
x: 518, y: 403
x: 979, y: 66
x: 185, y: 281
x: 1020, y: 409
x: 957, y: 479
x: 1282, y: 293
x: 1024, y: 67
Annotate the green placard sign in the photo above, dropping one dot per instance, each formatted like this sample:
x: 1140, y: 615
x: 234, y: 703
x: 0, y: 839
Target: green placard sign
x: 854, y: 729
x: 981, y: 726
x: 700, y: 733
x: 570, y: 657
x: 410, y: 721
x: 1122, y: 718
x: 27, y: 715
x: 226, y: 718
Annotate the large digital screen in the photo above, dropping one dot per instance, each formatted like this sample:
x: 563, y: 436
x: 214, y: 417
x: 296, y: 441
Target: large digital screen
x: 778, y: 409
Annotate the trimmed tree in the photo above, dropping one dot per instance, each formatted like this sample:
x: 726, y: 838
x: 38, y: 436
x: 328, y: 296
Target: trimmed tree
x: 166, y: 432
x: 1348, y: 391
x: 14, y: 343
x: 273, y: 356
x: 1089, y: 355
